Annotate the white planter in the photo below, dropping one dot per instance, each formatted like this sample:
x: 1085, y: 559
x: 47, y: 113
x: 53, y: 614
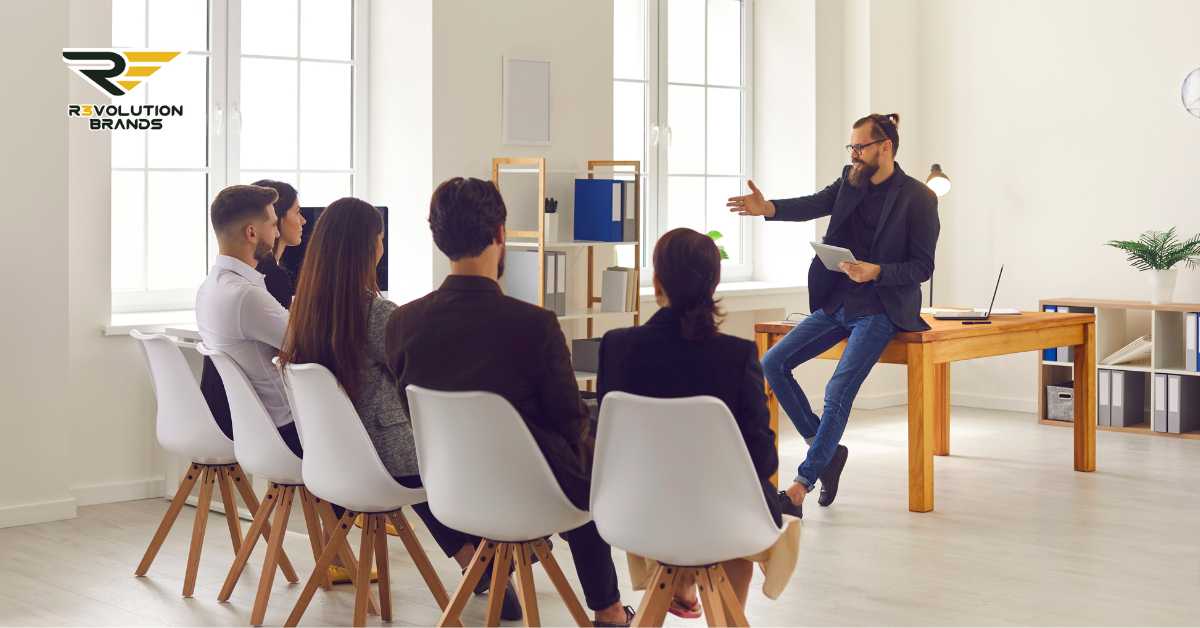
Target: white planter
x: 1187, y: 287
x: 1162, y: 286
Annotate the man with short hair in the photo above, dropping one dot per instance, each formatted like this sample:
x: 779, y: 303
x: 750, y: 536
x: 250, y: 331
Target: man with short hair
x: 889, y: 221
x: 467, y: 335
x: 234, y: 311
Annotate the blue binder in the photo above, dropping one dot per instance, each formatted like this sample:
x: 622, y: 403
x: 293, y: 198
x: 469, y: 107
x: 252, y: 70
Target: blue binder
x: 599, y: 210
x: 1049, y: 355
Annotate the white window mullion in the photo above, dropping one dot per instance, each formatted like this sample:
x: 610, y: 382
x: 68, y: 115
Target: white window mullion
x: 233, y: 91
x: 219, y: 118
x: 360, y: 54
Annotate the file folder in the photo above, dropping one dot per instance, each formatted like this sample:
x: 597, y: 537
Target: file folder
x: 1104, y: 397
x: 599, y: 210
x: 1191, y: 331
x: 1128, y: 399
x: 1158, y: 418
x: 1183, y: 413
x: 1064, y: 353
x: 1051, y: 354
x: 560, y: 283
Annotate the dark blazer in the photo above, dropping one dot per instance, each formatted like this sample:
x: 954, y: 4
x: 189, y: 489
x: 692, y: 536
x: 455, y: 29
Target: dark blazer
x: 467, y: 335
x: 654, y: 360
x: 282, y: 286
x: 903, y: 247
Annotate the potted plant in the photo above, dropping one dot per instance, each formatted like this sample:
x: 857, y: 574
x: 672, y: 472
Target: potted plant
x: 1159, y: 252
x: 717, y: 235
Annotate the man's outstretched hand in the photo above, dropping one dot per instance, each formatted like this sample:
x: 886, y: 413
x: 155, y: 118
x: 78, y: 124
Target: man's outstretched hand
x: 752, y: 204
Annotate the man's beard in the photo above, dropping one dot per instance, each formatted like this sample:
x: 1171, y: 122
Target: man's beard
x: 861, y: 173
x: 263, y: 250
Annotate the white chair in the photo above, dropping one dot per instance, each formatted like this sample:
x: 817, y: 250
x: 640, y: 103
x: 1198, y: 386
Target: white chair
x: 689, y: 507
x: 260, y: 450
x: 341, y: 466
x: 485, y: 476
x: 185, y: 427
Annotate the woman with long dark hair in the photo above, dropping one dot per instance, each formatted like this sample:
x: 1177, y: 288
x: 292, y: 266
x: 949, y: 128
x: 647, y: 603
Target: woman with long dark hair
x: 339, y: 320
x: 279, y: 282
x: 679, y: 352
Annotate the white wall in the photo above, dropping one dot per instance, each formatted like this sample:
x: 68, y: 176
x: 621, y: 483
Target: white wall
x: 34, y: 384
x: 1061, y: 127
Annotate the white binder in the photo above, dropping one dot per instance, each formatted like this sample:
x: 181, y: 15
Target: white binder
x: 1158, y: 419
x: 1190, y: 347
x: 1103, y: 398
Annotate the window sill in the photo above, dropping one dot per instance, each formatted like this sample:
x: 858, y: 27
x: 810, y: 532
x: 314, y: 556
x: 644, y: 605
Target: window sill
x: 735, y: 289
x: 121, y: 324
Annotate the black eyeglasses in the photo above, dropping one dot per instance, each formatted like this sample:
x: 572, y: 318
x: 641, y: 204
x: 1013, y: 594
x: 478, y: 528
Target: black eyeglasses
x: 858, y: 148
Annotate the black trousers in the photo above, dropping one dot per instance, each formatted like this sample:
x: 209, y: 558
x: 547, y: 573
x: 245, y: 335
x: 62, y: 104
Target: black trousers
x: 592, y: 555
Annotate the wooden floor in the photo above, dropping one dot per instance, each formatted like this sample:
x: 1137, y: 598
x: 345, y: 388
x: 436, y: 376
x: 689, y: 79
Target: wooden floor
x: 1017, y: 538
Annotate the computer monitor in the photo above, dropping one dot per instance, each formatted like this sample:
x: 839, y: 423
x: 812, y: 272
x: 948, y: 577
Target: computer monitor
x: 293, y: 256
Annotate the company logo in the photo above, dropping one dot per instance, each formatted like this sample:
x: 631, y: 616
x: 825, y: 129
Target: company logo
x: 116, y: 72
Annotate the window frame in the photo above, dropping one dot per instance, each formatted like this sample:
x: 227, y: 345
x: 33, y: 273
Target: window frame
x: 656, y: 135
x: 224, y: 139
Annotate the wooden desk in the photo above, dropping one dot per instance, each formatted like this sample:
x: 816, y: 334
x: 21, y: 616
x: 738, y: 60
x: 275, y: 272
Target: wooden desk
x: 928, y: 356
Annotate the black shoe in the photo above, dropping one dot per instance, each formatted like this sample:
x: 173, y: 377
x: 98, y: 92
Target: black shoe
x: 787, y: 507
x: 831, y: 475
x: 510, y: 609
x: 629, y: 615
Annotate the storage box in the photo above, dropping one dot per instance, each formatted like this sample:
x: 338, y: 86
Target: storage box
x: 1060, y: 402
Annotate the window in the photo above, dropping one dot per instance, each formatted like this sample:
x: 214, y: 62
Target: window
x: 681, y: 104
x: 281, y: 101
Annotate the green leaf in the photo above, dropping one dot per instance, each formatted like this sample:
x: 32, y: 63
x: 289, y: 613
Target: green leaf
x: 721, y: 250
x: 1159, y: 250
x: 715, y: 235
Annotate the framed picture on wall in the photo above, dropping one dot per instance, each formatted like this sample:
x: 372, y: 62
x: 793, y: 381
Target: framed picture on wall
x: 525, y: 115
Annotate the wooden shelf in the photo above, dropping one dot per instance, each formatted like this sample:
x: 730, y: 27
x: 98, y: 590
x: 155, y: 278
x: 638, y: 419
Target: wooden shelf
x: 1140, y: 428
x: 573, y: 315
x: 569, y: 244
x: 1178, y: 372
x: 1116, y: 304
x: 1055, y: 363
x: 585, y: 376
x: 1136, y: 368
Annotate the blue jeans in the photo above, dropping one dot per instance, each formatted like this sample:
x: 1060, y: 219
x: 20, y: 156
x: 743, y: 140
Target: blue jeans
x: 868, y: 336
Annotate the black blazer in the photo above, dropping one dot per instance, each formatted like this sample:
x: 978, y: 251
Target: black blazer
x: 903, y: 247
x: 281, y: 286
x: 654, y: 360
x: 467, y: 335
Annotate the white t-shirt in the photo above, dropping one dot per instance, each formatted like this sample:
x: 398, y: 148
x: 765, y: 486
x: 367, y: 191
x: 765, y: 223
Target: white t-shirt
x: 237, y: 315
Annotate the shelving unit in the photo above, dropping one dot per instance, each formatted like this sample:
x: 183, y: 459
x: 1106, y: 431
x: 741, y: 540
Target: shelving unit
x: 1118, y: 323
x: 537, y: 239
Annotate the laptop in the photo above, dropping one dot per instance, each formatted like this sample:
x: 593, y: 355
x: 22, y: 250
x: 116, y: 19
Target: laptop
x: 973, y: 315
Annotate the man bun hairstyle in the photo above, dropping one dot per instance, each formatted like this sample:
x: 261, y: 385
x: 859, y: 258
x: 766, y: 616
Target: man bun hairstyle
x: 238, y: 204
x: 883, y: 127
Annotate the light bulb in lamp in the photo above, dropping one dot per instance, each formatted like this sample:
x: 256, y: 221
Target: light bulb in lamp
x: 938, y: 181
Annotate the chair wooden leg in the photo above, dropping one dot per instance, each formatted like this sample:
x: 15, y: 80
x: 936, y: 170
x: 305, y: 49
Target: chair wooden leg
x: 734, y: 613
x: 499, y: 583
x: 336, y: 542
x: 483, y: 555
x: 658, y: 597
x: 714, y: 611
x: 239, y: 562
x: 546, y: 557
x: 168, y: 520
x: 421, y: 559
x: 231, y: 512
x: 526, y: 592
x: 198, y: 526
x: 362, y: 587
x: 282, y: 511
x: 248, y: 497
x: 344, y: 552
x: 316, y: 538
x: 381, y: 564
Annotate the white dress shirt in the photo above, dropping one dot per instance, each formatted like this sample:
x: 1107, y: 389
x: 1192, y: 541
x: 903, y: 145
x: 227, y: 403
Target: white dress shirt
x: 237, y: 315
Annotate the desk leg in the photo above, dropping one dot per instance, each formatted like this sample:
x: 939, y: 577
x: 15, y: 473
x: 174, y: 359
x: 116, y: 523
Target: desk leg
x: 941, y: 422
x: 1085, y: 401
x: 764, y: 342
x: 922, y: 406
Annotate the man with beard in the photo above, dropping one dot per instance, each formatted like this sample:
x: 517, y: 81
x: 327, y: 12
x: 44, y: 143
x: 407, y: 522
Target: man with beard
x: 889, y: 221
x: 467, y: 336
x: 234, y: 311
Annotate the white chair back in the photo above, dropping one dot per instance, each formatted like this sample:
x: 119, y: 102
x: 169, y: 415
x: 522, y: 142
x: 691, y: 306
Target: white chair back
x: 259, y: 448
x: 482, y: 470
x: 184, y: 424
x: 340, y: 463
x: 672, y: 480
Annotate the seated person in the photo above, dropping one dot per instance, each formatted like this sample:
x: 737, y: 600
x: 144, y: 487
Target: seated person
x: 467, y: 335
x: 279, y: 283
x: 234, y: 311
x: 338, y: 298
x: 679, y: 353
